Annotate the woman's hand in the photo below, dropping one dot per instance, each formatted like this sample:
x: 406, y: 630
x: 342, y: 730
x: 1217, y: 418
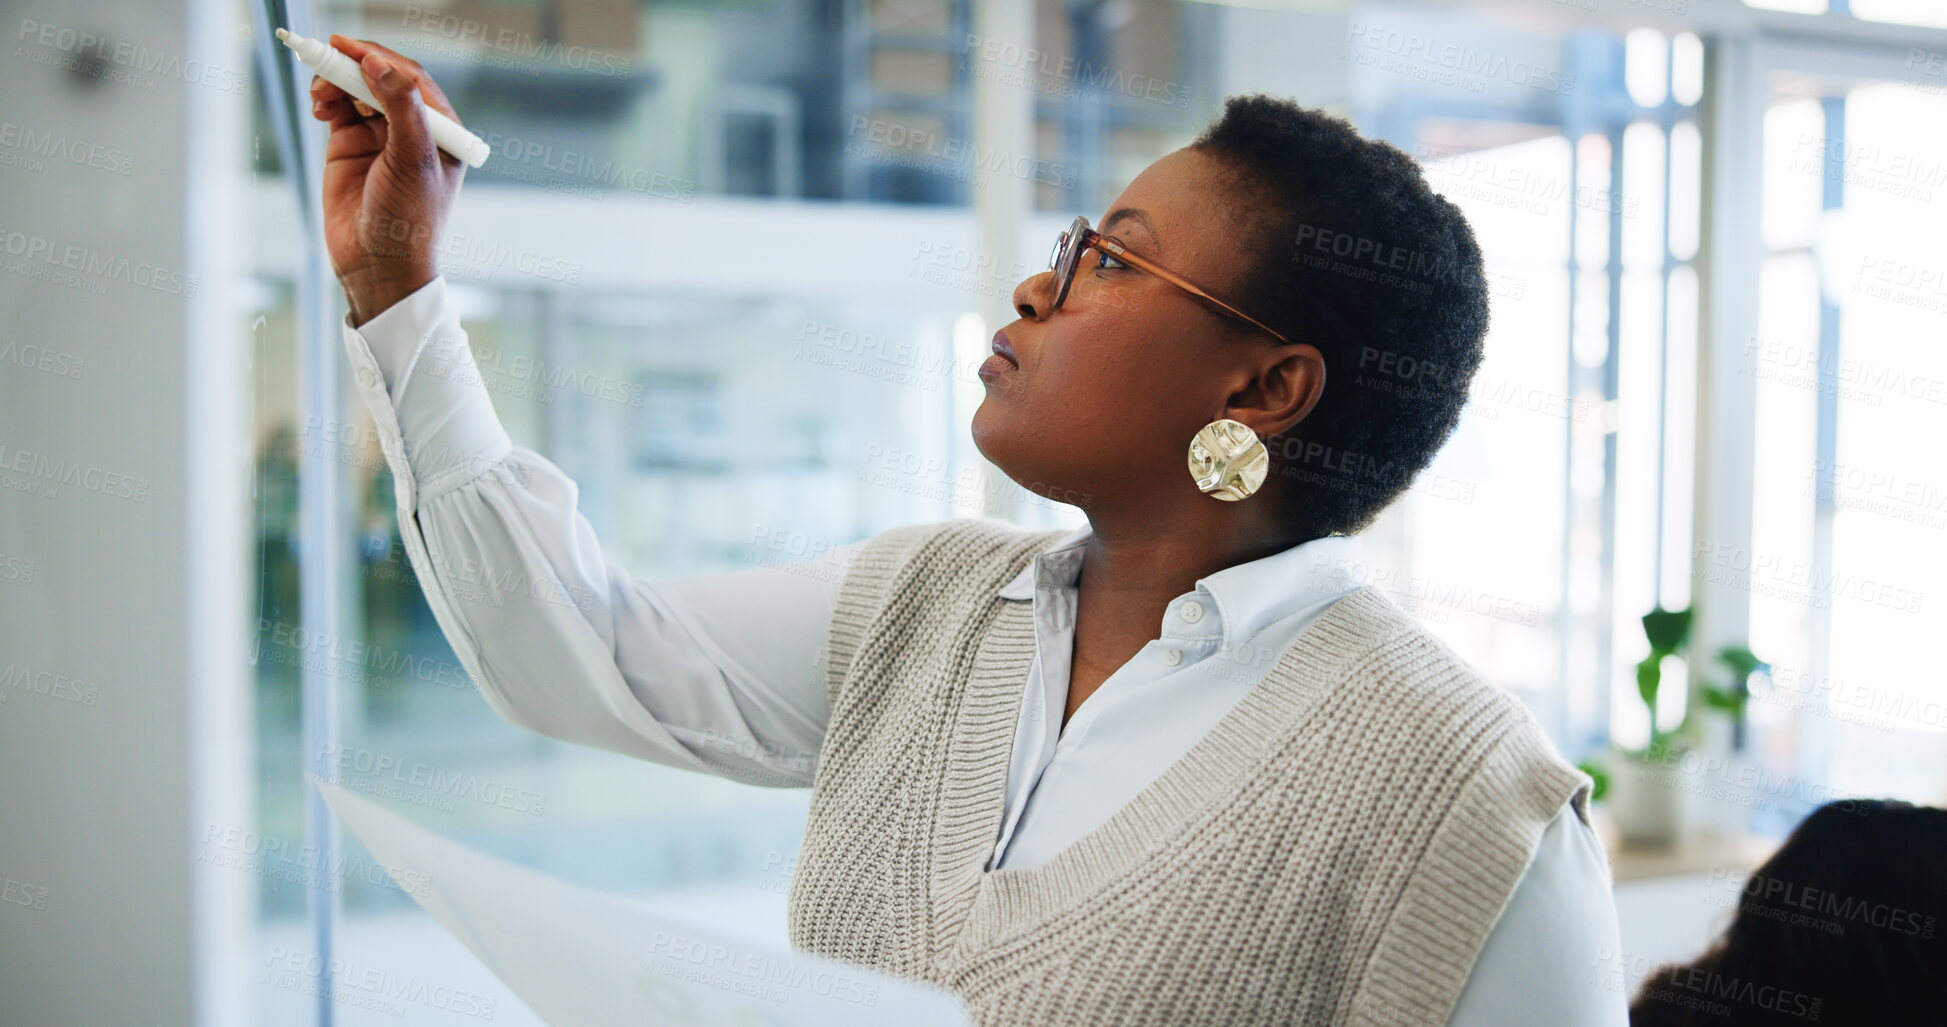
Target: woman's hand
x: 387, y: 187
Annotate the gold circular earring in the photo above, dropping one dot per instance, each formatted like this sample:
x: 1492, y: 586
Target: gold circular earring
x: 1228, y: 460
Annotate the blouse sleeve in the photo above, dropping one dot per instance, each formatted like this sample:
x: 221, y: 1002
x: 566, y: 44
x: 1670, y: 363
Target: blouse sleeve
x: 720, y: 672
x: 1542, y: 961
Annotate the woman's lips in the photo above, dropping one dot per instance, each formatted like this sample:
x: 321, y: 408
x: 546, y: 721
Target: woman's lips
x: 1003, y: 359
x: 995, y: 366
x: 1003, y: 348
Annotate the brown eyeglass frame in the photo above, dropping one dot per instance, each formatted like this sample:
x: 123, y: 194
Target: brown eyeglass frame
x: 1080, y: 238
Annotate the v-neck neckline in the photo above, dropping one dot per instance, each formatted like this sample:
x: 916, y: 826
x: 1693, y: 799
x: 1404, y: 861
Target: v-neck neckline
x: 988, y: 906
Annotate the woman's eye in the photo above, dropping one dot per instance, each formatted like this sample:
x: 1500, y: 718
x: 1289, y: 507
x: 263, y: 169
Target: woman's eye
x: 1103, y: 260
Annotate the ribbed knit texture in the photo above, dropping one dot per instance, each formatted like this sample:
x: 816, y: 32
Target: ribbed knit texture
x: 1334, y: 851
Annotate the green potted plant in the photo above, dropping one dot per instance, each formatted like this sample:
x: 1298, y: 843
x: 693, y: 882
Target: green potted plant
x: 1642, y: 787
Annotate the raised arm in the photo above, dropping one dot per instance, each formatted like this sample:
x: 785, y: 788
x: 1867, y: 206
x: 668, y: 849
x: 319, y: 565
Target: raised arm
x: 717, y: 672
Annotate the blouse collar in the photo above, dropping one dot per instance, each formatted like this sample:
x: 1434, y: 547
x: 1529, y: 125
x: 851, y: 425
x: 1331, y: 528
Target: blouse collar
x: 1247, y: 597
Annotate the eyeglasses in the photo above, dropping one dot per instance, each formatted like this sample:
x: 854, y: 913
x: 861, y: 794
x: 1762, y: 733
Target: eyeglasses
x: 1067, y: 256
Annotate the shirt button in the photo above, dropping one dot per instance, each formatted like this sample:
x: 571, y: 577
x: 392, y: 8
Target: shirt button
x: 1172, y: 657
x: 1191, y: 612
x: 368, y: 378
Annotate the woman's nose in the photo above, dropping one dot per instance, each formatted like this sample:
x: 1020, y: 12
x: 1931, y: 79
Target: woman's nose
x: 1031, y: 297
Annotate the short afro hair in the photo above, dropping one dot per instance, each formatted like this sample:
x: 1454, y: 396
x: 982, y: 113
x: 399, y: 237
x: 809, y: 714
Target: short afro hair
x: 1361, y: 259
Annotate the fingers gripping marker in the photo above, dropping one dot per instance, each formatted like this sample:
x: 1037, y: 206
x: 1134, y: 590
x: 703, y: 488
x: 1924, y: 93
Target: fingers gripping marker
x: 340, y: 70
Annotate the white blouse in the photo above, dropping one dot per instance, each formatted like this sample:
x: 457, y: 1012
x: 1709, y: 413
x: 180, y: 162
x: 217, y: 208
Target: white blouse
x: 724, y: 670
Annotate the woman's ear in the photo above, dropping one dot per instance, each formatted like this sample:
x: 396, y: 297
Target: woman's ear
x: 1286, y: 388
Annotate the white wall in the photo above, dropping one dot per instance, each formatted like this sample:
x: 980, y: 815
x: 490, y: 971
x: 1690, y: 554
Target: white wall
x: 135, y: 584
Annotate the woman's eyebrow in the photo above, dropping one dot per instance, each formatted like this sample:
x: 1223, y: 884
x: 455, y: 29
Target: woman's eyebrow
x: 1139, y: 216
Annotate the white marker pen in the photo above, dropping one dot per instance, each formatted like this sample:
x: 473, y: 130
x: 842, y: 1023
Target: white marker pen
x: 340, y: 70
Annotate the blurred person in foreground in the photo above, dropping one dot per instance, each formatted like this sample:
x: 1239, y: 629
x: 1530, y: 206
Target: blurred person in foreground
x: 1840, y: 926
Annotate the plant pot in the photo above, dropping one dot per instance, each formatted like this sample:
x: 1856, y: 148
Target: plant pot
x: 1646, y: 800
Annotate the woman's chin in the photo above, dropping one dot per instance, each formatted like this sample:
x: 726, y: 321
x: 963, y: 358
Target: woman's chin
x: 985, y: 422
x: 987, y: 415
x: 993, y: 433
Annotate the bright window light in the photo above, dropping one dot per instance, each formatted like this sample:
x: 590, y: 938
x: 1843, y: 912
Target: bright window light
x: 1794, y: 6
x: 1646, y: 66
x: 1592, y: 181
x: 1686, y: 188
x: 1794, y: 153
x: 1687, y: 68
x: 1641, y: 197
x: 1904, y: 12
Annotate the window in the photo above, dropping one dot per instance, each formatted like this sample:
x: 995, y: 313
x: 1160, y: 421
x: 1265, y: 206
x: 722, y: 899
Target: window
x: 1574, y: 449
x: 1851, y: 385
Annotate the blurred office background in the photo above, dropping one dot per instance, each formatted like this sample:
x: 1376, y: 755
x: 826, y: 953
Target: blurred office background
x: 1715, y: 383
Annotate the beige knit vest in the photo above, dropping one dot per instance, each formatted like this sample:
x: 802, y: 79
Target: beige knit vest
x: 1333, y: 851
